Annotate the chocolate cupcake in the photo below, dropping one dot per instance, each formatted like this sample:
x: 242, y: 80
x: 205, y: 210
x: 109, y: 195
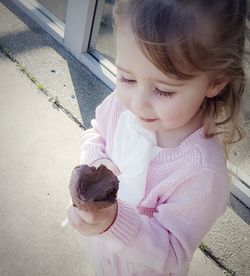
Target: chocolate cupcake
x: 93, y: 188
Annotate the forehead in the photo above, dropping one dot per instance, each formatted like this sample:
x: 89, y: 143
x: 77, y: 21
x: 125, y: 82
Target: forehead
x: 131, y: 58
x: 126, y: 46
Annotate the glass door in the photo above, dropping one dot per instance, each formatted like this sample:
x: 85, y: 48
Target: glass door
x: 102, y: 45
x: 57, y: 8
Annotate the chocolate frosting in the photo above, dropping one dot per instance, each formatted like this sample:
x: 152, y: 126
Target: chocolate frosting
x: 90, y: 185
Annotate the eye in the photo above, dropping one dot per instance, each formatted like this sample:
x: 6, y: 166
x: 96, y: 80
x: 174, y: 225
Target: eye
x: 164, y: 93
x: 128, y: 81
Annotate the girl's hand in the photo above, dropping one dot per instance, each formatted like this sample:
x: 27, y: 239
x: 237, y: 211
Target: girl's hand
x: 92, y: 223
x: 96, y: 222
x: 108, y: 163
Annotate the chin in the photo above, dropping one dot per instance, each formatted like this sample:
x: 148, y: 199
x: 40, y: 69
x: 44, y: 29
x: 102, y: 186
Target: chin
x: 147, y: 126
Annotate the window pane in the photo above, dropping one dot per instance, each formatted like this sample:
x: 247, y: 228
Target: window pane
x: 105, y: 40
x: 58, y: 8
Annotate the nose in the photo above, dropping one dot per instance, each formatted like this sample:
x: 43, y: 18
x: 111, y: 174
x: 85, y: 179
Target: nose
x: 140, y: 98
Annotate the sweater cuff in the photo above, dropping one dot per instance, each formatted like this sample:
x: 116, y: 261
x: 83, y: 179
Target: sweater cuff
x: 126, y: 225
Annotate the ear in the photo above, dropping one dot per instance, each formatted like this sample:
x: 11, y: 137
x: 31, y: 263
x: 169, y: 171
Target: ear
x: 217, y: 84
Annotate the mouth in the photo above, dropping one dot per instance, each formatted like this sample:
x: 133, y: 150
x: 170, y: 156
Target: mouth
x: 147, y: 120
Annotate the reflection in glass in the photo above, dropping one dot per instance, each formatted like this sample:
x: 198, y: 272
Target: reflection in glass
x: 105, y: 41
x: 58, y: 8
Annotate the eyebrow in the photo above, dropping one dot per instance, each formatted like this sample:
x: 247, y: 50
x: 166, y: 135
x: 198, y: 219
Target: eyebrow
x: 156, y: 80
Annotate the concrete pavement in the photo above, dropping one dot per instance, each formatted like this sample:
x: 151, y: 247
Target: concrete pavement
x: 39, y: 147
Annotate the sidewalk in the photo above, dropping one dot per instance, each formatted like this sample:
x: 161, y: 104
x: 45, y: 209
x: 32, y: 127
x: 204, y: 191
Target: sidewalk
x: 40, y: 146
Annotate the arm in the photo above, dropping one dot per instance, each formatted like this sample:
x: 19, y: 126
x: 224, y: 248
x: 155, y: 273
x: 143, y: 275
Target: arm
x: 93, y: 153
x: 168, y: 239
x: 92, y: 145
x: 93, y: 140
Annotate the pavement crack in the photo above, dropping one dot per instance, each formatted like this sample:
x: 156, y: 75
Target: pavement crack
x: 53, y: 99
x: 208, y: 252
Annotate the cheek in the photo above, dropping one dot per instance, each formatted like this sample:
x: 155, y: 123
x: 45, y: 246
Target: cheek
x: 122, y: 96
x: 179, y: 113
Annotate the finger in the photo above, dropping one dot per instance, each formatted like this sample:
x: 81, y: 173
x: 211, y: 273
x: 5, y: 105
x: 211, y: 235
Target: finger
x: 73, y: 217
x: 111, y: 166
x: 76, y: 222
x: 83, y: 226
x: 89, y: 217
x: 116, y: 171
x: 108, y: 163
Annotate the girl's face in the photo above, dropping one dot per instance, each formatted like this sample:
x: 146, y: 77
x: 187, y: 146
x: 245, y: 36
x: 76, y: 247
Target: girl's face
x: 161, y: 103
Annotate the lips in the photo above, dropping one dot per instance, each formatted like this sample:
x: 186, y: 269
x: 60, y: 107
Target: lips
x: 147, y: 120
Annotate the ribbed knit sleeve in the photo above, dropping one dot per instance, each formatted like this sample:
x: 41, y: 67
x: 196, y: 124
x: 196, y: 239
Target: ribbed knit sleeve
x: 93, y: 140
x: 166, y: 241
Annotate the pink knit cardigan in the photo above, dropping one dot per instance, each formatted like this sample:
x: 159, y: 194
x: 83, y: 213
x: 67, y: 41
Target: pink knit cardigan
x: 186, y: 191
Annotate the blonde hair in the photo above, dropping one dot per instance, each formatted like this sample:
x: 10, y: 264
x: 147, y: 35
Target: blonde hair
x: 183, y: 37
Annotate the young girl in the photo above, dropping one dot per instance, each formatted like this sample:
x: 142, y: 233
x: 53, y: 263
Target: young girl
x: 165, y: 131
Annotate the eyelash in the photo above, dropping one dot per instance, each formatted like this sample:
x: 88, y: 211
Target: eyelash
x: 122, y: 79
x: 164, y: 93
x: 158, y: 91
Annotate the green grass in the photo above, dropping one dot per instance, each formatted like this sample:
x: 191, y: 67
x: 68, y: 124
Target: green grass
x: 25, y: 71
